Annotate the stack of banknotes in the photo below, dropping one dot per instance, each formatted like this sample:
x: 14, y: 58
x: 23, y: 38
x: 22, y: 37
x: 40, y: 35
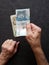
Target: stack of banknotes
x: 19, y: 21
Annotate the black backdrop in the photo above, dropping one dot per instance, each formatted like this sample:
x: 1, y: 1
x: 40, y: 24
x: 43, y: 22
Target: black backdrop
x: 39, y: 16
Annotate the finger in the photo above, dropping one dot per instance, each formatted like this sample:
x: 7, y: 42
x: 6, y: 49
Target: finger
x: 11, y: 46
x: 29, y: 40
x: 15, y: 50
x: 5, y: 42
x: 9, y: 43
x: 28, y: 27
x: 36, y: 34
x: 35, y: 27
x: 13, y: 43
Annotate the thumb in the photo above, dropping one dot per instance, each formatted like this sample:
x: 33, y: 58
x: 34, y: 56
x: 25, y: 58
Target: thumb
x: 28, y: 27
x: 16, y: 47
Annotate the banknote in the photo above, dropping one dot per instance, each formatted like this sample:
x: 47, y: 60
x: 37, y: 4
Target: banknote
x: 22, y: 18
x: 19, y: 21
x: 13, y: 22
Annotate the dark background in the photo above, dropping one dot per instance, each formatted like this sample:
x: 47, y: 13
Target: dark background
x: 39, y: 16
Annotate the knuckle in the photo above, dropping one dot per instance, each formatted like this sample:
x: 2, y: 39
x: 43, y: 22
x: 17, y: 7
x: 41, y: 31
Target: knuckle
x: 34, y: 36
x: 11, y: 40
x: 14, y: 43
x: 2, y: 46
x: 9, y: 50
x: 29, y: 35
x: 39, y: 29
x: 7, y: 40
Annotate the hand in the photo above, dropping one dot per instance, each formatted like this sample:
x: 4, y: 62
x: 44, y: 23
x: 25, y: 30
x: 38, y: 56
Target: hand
x: 33, y: 35
x: 9, y: 48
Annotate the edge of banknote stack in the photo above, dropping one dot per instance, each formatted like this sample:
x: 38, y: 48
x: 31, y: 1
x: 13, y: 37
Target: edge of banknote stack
x: 19, y: 21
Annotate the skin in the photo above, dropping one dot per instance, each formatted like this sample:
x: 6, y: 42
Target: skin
x: 33, y: 37
x: 8, y: 49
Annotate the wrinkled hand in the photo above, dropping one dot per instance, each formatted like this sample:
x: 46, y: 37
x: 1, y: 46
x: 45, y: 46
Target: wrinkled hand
x: 9, y: 48
x: 33, y: 35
